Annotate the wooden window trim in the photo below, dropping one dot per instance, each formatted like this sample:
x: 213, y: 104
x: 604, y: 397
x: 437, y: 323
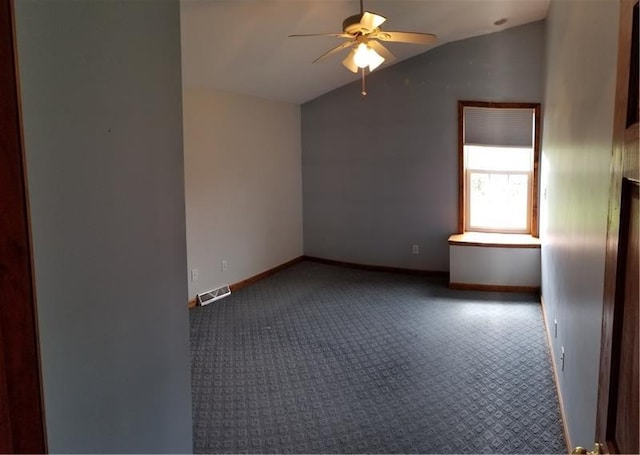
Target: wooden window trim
x: 462, y: 197
x: 492, y: 240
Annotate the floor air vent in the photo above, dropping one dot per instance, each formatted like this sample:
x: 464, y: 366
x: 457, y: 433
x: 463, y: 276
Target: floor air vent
x: 211, y: 296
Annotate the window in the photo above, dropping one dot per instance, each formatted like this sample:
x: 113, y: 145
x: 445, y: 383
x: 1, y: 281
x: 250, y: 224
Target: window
x: 498, y: 153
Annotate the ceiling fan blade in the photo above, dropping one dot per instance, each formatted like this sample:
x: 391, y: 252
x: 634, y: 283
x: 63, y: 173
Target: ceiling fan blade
x: 350, y: 63
x: 338, y: 48
x: 383, y: 51
x: 335, y: 35
x: 371, y: 21
x: 407, y: 37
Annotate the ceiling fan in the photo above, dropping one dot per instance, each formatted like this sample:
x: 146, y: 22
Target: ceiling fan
x: 364, y: 35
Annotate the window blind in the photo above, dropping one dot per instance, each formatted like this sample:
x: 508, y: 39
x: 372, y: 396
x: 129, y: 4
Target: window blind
x: 494, y: 126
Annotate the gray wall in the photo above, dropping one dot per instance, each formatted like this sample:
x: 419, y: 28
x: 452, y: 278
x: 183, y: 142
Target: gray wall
x: 101, y: 96
x: 577, y: 141
x: 243, y: 185
x: 380, y: 172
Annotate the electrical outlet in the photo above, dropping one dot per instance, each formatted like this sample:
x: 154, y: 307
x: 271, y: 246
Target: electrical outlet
x: 224, y: 266
x: 415, y: 249
x: 555, y: 328
x: 562, y: 359
x: 194, y: 274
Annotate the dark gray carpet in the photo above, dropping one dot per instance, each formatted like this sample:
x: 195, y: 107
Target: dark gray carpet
x: 325, y: 359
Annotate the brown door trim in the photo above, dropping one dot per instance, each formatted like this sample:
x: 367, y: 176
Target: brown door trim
x: 606, y: 419
x: 21, y: 409
x: 624, y: 165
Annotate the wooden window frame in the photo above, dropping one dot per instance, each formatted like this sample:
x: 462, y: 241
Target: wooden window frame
x: 462, y: 177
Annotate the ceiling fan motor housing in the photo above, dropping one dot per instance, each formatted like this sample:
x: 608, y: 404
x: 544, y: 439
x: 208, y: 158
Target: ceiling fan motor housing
x: 352, y: 25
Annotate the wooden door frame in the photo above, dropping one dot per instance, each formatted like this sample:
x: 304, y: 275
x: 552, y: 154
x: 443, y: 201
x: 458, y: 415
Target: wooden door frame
x: 622, y: 167
x: 22, y: 428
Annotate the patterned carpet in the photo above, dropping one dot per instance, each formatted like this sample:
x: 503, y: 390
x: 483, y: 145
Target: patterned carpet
x: 326, y: 359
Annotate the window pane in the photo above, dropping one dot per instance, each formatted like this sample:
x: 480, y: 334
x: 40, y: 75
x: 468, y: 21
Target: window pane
x: 498, y: 201
x: 488, y: 158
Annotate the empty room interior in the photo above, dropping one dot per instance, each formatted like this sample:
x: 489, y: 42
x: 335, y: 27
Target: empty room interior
x: 412, y: 229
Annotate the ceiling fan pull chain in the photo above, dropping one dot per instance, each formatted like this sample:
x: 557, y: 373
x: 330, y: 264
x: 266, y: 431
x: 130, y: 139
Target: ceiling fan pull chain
x: 364, y: 89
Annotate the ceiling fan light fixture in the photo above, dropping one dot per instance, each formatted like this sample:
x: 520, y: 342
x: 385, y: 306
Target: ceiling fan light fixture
x: 365, y: 56
x: 361, y: 57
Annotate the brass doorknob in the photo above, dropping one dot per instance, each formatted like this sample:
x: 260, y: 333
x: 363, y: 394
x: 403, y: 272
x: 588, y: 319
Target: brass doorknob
x: 597, y: 450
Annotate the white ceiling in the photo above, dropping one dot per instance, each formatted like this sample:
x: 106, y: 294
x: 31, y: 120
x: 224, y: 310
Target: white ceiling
x: 242, y: 46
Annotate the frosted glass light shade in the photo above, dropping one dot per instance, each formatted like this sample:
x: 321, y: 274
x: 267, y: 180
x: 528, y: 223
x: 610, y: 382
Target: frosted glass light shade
x: 365, y: 56
x: 375, y: 60
x: 361, y: 57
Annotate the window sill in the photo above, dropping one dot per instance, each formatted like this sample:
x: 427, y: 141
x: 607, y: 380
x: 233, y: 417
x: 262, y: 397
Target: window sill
x: 492, y: 240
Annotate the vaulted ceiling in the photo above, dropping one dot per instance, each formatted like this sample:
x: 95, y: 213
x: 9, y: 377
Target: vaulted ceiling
x: 242, y: 46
